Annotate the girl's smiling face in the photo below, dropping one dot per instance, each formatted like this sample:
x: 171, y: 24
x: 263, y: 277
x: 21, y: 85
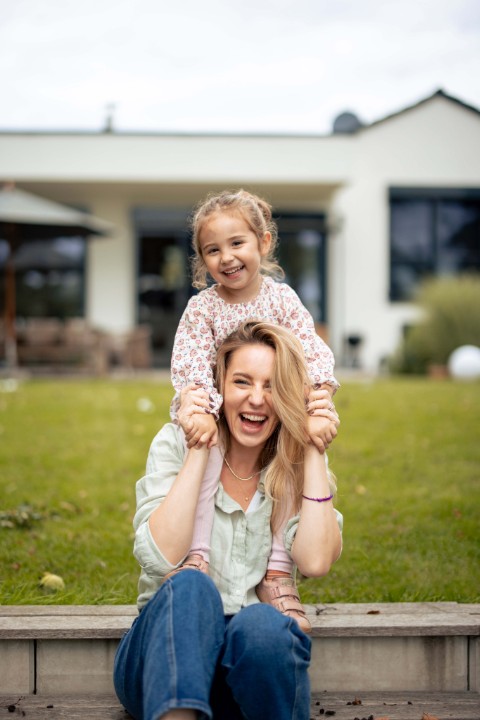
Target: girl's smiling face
x: 248, y: 405
x: 232, y: 254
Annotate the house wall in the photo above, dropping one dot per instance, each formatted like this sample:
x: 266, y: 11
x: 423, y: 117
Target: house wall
x: 434, y: 144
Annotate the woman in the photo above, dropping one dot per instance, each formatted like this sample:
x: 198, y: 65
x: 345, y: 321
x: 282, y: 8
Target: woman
x: 203, y: 646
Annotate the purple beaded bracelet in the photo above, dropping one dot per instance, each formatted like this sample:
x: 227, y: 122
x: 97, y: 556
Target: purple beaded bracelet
x: 324, y: 499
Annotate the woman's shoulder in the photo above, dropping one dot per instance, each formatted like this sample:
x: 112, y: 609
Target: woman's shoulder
x: 170, y: 438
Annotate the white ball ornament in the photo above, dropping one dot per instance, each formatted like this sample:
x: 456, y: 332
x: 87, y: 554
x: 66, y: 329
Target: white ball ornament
x: 464, y: 363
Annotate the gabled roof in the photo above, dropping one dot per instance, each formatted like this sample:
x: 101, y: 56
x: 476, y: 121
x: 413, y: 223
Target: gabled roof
x: 437, y: 94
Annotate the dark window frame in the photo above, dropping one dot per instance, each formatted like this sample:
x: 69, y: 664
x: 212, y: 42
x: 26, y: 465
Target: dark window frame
x: 291, y: 222
x: 433, y: 197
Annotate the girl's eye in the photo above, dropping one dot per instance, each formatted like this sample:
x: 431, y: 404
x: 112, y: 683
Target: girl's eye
x: 212, y: 251
x: 236, y: 243
x: 240, y: 382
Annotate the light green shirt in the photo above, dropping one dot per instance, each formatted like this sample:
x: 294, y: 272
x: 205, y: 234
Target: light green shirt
x: 240, y: 542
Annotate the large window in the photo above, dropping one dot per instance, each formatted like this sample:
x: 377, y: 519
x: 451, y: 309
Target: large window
x: 163, y: 281
x: 302, y: 255
x: 50, y: 276
x: 432, y: 232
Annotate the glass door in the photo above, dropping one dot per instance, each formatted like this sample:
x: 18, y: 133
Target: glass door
x: 302, y: 255
x: 163, y: 277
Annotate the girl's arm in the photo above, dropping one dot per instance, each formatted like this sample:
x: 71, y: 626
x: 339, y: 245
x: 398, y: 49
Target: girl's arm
x: 320, y: 359
x: 318, y: 540
x: 194, y: 351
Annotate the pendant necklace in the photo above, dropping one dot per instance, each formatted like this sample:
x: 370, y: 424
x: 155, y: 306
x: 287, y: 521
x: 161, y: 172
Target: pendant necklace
x: 247, y: 498
x: 257, y: 472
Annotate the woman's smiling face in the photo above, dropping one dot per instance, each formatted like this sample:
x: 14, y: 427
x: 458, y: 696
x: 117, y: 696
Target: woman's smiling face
x: 248, y: 404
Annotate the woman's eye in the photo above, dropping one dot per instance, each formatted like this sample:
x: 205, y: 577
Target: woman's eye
x: 241, y: 382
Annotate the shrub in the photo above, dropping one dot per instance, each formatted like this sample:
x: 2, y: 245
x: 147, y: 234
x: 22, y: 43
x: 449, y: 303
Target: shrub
x: 451, y: 318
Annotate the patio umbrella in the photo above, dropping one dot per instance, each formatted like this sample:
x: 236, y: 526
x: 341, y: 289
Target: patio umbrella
x: 22, y: 216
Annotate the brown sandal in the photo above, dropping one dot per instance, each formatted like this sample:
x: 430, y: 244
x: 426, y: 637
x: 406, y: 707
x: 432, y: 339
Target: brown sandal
x: 191, y: 562
x: 281, y: 592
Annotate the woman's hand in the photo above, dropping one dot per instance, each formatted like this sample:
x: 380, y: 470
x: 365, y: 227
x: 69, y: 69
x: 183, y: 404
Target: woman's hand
x: 323, y: 419
x: 320, y: 403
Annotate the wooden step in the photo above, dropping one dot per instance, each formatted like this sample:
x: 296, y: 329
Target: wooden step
x: 328, y: 706
x: 415, y: 647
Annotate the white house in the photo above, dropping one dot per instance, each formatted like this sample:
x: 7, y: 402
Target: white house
x: 363, y: 214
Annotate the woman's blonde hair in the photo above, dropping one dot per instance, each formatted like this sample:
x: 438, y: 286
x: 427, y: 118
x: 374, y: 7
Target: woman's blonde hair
x: 285, y: 449
x: 256, y: 212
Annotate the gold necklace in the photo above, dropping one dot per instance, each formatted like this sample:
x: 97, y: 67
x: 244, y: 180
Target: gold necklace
x: 257, y: 472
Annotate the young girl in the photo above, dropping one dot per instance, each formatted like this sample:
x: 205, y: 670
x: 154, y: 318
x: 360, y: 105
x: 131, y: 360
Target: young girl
x: 234, y: 239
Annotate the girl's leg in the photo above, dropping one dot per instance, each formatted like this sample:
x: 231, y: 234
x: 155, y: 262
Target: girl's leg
x: 278, y: 587
x: 265, y: 664
x: 167, y: 659
x: 206, y: 506
x: 279, y: 559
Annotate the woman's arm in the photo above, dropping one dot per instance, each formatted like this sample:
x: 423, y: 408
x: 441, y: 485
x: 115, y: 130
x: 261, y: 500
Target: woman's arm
x: 318, y: 541
x: 171, y: 523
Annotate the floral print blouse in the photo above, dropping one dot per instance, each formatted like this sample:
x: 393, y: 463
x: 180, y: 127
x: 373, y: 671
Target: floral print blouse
x: 208, y: 320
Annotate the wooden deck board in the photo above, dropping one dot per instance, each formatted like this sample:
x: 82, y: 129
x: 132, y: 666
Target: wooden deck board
x: 23, y: 622
x: 337, y: 706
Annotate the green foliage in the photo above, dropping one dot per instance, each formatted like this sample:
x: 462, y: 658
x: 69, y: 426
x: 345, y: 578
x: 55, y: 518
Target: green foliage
x: 406, y: 460
x: 451, y: 318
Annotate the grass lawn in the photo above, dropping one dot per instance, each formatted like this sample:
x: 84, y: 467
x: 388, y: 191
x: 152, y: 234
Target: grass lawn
x: 407, y: 461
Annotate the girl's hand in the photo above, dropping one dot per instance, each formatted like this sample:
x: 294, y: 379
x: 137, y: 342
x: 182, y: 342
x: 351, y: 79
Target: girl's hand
x: 203, y: 431
x: 193, y: 417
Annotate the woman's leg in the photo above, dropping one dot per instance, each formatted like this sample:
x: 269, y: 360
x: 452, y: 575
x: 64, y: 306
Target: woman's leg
x: 265, y: 664
x: 167, y: 659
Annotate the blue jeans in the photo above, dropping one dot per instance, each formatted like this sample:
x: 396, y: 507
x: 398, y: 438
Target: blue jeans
x: 182, y: 652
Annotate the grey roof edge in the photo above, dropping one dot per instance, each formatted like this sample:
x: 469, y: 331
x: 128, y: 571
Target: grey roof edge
x: 439, y: 93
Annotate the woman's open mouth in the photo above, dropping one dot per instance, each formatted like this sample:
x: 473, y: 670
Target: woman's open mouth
x: 253, y: 422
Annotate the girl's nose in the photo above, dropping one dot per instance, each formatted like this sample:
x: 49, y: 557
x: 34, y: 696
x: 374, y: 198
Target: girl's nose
x: 226, y: 256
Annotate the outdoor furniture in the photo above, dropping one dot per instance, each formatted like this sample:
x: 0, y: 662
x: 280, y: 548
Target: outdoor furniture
x: 131, y: 350
x: 70, y: 344
x: 50, y: 344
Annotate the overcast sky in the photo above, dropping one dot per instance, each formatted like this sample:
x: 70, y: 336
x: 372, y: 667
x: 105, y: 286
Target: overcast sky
x: 230, y: 66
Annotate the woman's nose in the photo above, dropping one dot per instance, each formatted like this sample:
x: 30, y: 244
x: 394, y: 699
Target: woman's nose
x: 257, y: 396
